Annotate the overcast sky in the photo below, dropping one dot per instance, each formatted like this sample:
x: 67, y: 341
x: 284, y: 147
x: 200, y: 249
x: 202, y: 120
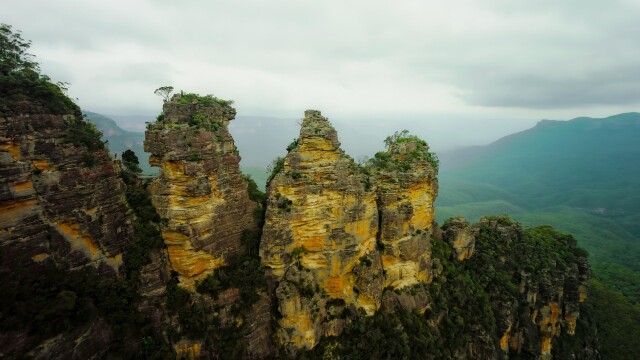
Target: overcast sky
x: 489, y: 62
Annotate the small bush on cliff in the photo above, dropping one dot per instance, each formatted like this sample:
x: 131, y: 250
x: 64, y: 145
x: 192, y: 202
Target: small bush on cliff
x: 383, y: 160
x: 254, y: 193
x: 191, y: 98
x: 293, y: 145
x: 274, y: 168
x: 200, y: 121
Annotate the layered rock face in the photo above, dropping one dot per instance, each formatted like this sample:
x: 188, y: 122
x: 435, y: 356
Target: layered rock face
x: 59, y: 201
x: 461, y: 236
x: 62, y: 208
x: 335, y: 235
x: 320, y: 228
x: 200, y: 191
x: 406, y: 187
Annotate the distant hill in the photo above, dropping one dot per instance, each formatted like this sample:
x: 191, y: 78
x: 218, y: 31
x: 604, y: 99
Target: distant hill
x: 120, y: 140
x: 581, y: 176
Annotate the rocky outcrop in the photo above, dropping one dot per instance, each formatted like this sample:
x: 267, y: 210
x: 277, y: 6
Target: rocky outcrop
x: 60, y: 200
x: 62, y: 211
x: 461, y: 236
x: 336, y: 234
x: 340, y: 242
x: 406, y: 188
x: 200, y: 191
x: 319, y: 237
x: 548, y: 287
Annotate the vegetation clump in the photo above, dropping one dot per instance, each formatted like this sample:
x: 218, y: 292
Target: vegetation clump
x: 207, y: 100
x: 293, y: 145
x: 274, y: 168
x: 20, y: 77
x: 254, y: 192
x: 417, y: 149
x: 201, y: 121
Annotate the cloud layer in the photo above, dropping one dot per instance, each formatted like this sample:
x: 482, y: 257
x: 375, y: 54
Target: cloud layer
x: 396, y: 58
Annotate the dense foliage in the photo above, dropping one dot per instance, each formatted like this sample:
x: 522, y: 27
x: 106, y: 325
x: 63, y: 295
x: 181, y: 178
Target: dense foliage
x: 20, y: 77
x: 461, y: 297
x: 616, y: 320
x: 84, y: 134
x: 385, y: 160
x: 191, y: 98
x: 580, y: 176
x: 147, y: 233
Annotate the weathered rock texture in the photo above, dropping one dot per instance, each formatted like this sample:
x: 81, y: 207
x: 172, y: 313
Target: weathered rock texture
x: 61, y: 206
x: 200, y: 191
x: 461, y: 236
x: 58, y: 202
x: 320, y: 228
x: 407, y: 188
x: 335, y: 235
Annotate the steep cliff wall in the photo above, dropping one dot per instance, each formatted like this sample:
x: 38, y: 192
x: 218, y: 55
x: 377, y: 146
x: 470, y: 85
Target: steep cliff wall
x: 406, y: 187
x: 200, y: 191
x: 536, y: 279
x: 342, y: 241
x: 61, y: 197
x: 62, y: 215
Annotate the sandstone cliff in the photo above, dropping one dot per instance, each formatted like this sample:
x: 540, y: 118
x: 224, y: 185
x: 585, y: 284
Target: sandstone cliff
x: 406, y: 187
x: 60, y: 200
x: 342, y: 242
x: 62, y: 211
x: 336, y: 234
x: 200, y: 191
x: 319, y: 237
x: 217, y: 303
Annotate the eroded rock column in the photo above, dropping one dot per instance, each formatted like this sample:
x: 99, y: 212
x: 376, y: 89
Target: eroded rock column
x: 319, y: 238
x: 407, y: 186
x: 200, y: 193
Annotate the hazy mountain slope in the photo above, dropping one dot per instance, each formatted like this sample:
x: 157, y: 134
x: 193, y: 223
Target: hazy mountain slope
x: 120, y: 140
x: 582, y: 176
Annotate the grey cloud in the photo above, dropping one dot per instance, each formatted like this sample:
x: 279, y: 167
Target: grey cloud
x: 539, y: 92
x: 290, y: 54
x: 153, y: 73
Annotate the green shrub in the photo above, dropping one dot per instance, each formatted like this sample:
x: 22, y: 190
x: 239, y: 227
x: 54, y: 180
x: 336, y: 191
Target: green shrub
x: 293, y: 145
x: 276, y: 166
x: 191, y: 98
x: 84, y: 134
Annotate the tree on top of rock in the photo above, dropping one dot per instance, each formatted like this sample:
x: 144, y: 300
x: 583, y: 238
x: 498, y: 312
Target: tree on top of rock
x: 165, y: 92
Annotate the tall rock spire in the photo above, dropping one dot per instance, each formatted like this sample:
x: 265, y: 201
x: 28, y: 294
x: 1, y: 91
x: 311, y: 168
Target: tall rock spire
x: 320, y: 230
x: 200, y: 192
